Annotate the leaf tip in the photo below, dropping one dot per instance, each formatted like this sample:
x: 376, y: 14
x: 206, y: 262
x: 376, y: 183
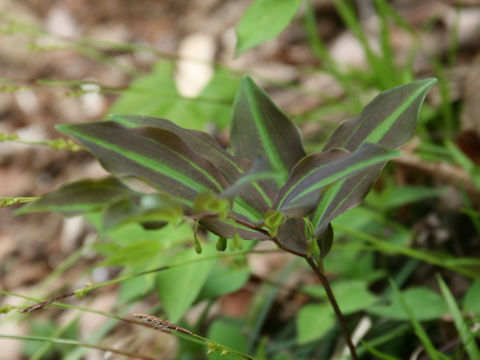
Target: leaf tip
x: 63, y: 128
x: 427, y: 83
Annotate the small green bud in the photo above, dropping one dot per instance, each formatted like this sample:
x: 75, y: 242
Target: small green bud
x: 81, y: 293
x: 211, y: 202
x: 221, y: 244
x: 196, y: 242
x: 272, y: 220
x: 212, y: 347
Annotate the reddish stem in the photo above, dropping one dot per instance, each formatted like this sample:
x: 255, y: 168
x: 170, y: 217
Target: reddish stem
x: 335, y: 306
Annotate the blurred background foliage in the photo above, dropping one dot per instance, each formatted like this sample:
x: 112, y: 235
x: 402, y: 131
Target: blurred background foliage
x: 405, y: 265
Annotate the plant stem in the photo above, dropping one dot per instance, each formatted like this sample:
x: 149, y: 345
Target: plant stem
x: 77, y: 343
x: 333, y: 302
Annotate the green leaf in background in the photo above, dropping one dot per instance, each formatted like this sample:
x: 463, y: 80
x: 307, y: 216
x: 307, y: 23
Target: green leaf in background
x: 224, y: 279
x: 79, y: 197
x: 264, y: 20
x: 155, y: 94
x: 140, y: 286
x: 178, y: 287
x: 137, y: 252
x: 313, y: 322
x: 367, y: 221
x: 424, y: 303
x: 227, y: 332
x: 149, y: 208
x: 259, y: 128
x: 352, y: 295
x: 396, y: 196
x: 312, y: 175
x: 390, y: 120
x: 471, y: 301
x: 169, y: 235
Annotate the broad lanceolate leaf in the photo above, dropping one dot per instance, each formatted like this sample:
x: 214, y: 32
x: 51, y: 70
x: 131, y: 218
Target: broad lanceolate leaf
x: 259, y: 128
x: 154, y: 155
x: 80, y: 197
x: 390, y: 120
x: 179, y: 286
x: 161, y: 158
x: 253, y: 197
x: 263, y: 20
x: 230, y: 167
x: 315, y: 172
x: 251, y: 201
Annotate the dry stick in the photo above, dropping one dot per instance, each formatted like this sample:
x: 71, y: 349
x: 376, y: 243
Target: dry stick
x: 42, y: 304
x: 334, y: 303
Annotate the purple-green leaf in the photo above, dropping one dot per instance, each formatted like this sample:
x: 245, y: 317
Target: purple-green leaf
x: 259, y: 128
x: 156, y: 156
x: 231, y: 168
x: 315, y: 173
x: 79, y: 197
x: 292, y: 236
x: 229, y: 230
x: 254, y: 198
x: 390, y: 119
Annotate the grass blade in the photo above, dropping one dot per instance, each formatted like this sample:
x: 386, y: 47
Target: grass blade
x: 419, y: 331
x: 462, y: 328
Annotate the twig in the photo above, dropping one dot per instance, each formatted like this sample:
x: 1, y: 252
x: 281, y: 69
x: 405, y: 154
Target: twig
x: 42, y: 304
